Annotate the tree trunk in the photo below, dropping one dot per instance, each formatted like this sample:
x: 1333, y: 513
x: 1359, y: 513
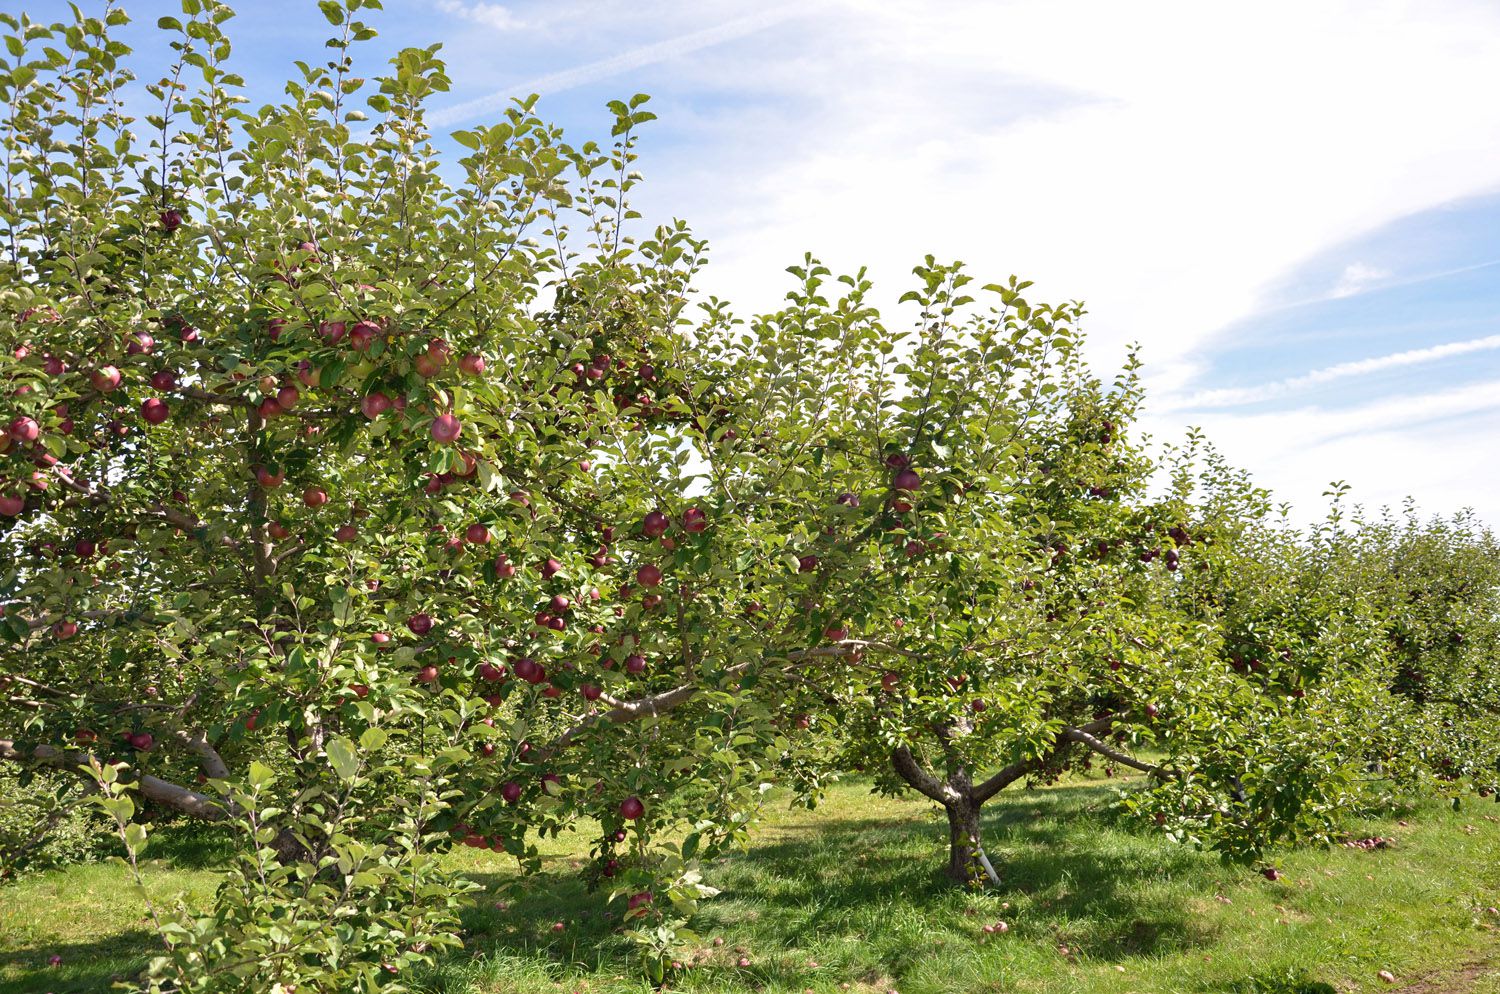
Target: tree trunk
x: 964, y: 866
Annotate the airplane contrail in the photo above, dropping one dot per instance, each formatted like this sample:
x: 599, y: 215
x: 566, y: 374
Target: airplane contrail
x: 645, y: 55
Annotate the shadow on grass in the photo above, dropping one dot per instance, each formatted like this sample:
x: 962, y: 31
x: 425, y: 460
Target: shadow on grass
x: 90, y: 966
x: 1080, y: 873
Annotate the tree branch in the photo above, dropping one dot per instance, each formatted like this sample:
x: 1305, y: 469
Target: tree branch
x: 920, y: 779
x: 154, y: 789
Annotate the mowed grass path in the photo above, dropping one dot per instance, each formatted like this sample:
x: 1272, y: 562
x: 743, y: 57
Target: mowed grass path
x: 849, y: 898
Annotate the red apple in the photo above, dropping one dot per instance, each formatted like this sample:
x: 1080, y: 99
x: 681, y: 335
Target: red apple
x: 359, y: 690
x: 419, y: 623
x: 427, y: 674
x: 11, y: 505
x: 635, y: 664
x: 549, y: 569
x: 632, y: 808
x: 694, y: 520
x: 64, y: 630
x: 476, y: 534
x: 362, y: 335
x: 907, y: 480
x: 277, y: 531
x: 648, y: 575
x: 490, y: 673
x: 140, y: 741
x: 346, y: 533
x: 473, y: 364
x: 171, y: 220
x: 446, y: 429
x: 332, y: 331
x: 164, y: 380
x: 655, y: 524
x: 288, y: 397
x: 24, y: 429
x: 375, y: 404
x: 807, y: 564
x: 269, y: 480
x: 315, y: 497
x: 504, y: 569
x: 140, y: 343
x: 511, y: 791
x: 105, y: 379
x: 155, y: 410
x: 890, y: 679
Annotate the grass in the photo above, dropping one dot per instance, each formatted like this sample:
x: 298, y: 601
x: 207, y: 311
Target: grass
x: 849, y: 898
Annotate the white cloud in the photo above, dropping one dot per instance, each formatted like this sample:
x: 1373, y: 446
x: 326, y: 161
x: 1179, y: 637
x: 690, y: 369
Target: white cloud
x: 1235, y: 396
x: 1357, y: 278
x: 490, y: 15
x: 1432, y: 446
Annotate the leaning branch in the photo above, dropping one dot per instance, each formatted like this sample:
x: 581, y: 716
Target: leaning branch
x: 155, y: 789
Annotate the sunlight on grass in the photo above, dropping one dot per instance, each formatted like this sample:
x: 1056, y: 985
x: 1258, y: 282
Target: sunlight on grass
x: 850, y: 898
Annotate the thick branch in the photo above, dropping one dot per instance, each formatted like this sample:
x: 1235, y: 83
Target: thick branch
x: 154, y: 789
x: 1079, y: 735
x: 920, y: 779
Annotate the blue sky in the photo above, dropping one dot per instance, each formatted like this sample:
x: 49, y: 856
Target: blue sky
x: 1294, y: 206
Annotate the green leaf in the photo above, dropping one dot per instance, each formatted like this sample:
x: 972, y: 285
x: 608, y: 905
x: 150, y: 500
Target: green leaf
x: 344, y: 758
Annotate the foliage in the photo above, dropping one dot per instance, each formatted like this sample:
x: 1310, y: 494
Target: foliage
x: 372, y: 512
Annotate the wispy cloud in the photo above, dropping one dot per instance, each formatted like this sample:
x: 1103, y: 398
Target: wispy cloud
x: 1356, y: 278
x: 635, y: 58
x: 1237, y: 396
x: 490, y: 15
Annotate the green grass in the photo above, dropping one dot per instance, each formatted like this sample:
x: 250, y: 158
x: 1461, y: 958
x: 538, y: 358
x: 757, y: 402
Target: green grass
x: 851, y: 895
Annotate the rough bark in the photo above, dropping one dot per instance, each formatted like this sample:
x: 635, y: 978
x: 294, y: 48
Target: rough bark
x: 963, y: 841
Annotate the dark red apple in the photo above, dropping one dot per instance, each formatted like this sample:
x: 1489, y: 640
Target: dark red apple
x: 655, y: 524
x: 374, y: 405
x: 332, y: 331
x: 288, y: 397
x: 549, y: 568
x: 473, y: 364
x: 419, y: 623
x: 694, y: 520
x: 907, y: 480
x: 477, y: 534
x: 427, y: 674
x: 11, y: 505
x: 277, y: 531
x: 315, y: 497
x: 267, y: 479
x: 171, y: 220
x: 140, y: 343
x: 24, y: 429
x: 632, y: 808
x: 635, y: 664
x: 155, y: 410
x: 648, y: 575
x: 511, y: 791
x: 164, y: 380
x: 346, y: 533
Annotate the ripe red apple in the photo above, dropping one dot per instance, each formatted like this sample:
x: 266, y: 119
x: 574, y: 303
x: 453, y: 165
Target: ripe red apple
x: 140, y: 343
x: 648, y: 575
x: 807, y: 564
x: 529, y: 670
x: 590, y: 692
x: 269, y: 409
x: 53, y: 366
x: 359, y: 690
x: 419, y: 623
x: 155, y: 410
x: 473, y: 364
x: 907, y: 480
x: 346, y: 533
x: 549, y: 569
x: 84, y: 549
x: 288, y: 397
x: 1271, y: 873
x: 635, y: 664
x: 269, y: 480
x: 632, y: 808
x: 24, y: 429
x: 277, y: 531
x: 374, y: 405
x: 141, y: 741
x: 446, y: 429
x: 427, y: 674
x: 655, y: 524
x: 560, y: 603
x: 275, y: 327
x: 511, y: 791
x: 477, y: 534
x: 105, y: 379
x: 171, y: 220
x: 362, y: 335
x: 11, y: 505
x: 890, y: 679
x: 64, y: 630
x: 504, y: 568
x: 164, y: 380
x: 332, y: 331
x: 490, y: 673
x: 315, y: 497
x: 638, y: 900
x: 834, y: 633
x: 1151, y: 710
x: 694, y: 520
